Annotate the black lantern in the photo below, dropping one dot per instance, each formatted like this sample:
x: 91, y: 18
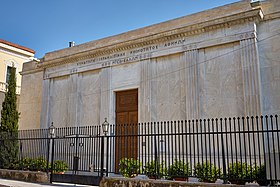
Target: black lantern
x: 52, y: 131
x: 105, y: 127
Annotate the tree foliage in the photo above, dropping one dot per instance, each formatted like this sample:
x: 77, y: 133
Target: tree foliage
x: 9, y: 125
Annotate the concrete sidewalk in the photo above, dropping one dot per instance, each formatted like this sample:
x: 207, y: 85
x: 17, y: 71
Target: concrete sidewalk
x: 14, y: 183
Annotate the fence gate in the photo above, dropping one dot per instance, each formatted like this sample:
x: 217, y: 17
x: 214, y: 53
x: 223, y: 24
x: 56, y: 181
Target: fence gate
x: 76, y: 157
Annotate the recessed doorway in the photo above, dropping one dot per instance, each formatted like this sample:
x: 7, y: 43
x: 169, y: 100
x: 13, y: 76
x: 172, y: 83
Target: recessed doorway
x: 126, y: 125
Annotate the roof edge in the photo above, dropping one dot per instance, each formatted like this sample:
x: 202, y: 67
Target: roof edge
x: 17, y: 46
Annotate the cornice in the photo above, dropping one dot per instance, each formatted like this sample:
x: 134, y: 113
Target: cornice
x: 248, y: 16
x: 271, y: 16
x: 26, y: 72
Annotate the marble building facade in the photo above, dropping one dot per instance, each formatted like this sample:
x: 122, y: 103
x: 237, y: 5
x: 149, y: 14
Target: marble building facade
x: 222, y: 62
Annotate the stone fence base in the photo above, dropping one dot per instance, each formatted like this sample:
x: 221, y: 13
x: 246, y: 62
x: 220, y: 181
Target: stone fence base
x: 130, y: 182
x: 28, y: 176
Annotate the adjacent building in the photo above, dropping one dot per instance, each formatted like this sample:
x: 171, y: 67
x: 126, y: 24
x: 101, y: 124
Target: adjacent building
x: 12, y: 56
x: 222, y: 62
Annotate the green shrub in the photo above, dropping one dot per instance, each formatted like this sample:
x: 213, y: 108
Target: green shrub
x: 259, y: 174
x: 25, y: 163
x: 129, y: 167
x: 206, y: 172
x: 59, y: 166
x: 15, y: 165
x: 178, y: 169
x: 33, y: 164
x: 155, y: 169
x: 39, y: 164
x: 239, y: 173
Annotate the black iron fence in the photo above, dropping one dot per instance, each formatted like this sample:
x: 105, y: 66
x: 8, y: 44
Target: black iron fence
x: 238, y: 150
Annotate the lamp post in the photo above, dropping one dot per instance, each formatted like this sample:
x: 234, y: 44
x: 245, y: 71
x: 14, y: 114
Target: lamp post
x: 51, y: 130
x: 105, y: 129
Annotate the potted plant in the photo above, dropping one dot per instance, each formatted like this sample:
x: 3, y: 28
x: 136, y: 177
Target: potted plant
x: 59, y: 166
x: 239, y: 173
x: 154, y: 170
x: 129, y: 167
x: 206, y: 172
x: 179, y: 170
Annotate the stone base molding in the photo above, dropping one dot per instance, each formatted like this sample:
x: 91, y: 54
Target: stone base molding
x: 28, y: 176
x: 128, y: 182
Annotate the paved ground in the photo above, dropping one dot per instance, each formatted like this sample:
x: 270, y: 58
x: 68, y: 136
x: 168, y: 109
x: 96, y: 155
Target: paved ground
x: 14, y: 183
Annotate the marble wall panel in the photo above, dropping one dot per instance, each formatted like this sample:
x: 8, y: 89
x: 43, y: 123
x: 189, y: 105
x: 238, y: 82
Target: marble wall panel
x: 89, y: 98
x: 125, y: 76
x: 59, y: 102
x: 219, y: 79
x: 269, y: 55
x: 168, y: 93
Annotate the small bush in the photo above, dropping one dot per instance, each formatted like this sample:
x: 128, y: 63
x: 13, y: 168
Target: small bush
x: 129, y: 167
x: 33, y: 164
x: 155, y: 169
x: 39, y: 164
x: 206, y: 172
x: 59, y: 166
x: 259, y: 174
x: 239, y: 173
x: 178, y: 169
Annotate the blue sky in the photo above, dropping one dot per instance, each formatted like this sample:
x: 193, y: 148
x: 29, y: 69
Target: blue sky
x: 48, y: 25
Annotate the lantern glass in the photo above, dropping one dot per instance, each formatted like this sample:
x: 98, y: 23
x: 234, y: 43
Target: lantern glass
x: 105, y: 127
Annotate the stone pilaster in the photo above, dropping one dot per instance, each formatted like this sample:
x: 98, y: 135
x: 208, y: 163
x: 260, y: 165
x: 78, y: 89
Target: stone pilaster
x: 73, y: 101
x: 45, y: 104
x: 250, y: 77
x: 107, y: 100
x: 145, y: 94
x: 192, y: 87
x: 154, y: 90
x: 79, y: 101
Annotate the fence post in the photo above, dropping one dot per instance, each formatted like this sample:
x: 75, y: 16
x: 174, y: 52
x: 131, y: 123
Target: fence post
x: 48, y: 156
x: 102, y: 156
x: 223, y: 154
x: 52, y: 157
x: 107, y: 157
x: 156, y: 157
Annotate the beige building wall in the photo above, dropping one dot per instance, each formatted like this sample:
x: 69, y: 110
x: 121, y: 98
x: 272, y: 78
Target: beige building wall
x: 221, y: 62
x: 12, y: 55
x: 31, y: 91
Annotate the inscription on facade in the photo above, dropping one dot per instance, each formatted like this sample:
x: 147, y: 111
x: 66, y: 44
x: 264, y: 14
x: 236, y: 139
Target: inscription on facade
x: 127, y: 59
x: 133, y: 55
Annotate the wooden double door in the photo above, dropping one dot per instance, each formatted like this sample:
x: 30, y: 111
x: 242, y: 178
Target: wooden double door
x: 126, y: 125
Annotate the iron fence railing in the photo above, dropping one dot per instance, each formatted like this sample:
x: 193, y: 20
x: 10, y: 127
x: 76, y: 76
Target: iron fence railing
x: 233, y: 149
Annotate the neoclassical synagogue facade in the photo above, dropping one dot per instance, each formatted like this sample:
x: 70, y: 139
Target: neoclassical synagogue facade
x: 222, y: 62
